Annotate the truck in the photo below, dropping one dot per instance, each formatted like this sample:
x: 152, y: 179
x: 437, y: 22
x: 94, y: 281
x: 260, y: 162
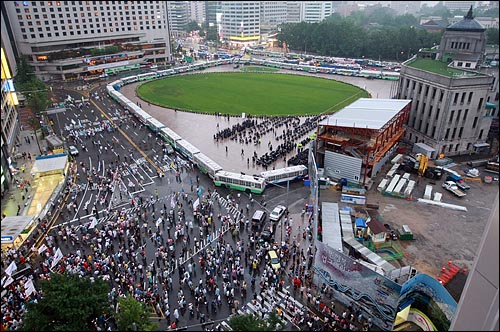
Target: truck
x: 451, y: 186
x: 419, y: 164
x: 458, y: 181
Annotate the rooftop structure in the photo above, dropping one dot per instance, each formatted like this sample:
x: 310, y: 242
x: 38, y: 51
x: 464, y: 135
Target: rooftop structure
x: 356, y: 141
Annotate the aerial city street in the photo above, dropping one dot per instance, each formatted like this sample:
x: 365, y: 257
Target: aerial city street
x: 284, y: 221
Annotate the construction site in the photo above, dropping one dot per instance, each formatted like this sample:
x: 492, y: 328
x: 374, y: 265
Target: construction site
x: 356, y: 142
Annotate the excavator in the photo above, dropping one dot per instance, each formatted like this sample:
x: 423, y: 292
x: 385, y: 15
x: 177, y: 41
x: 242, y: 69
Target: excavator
x: 419, y: 164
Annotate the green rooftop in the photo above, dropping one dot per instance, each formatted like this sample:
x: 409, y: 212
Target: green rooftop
x: 440, y: 68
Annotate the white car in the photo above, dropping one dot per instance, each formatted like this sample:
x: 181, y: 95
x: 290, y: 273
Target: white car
x: 73, y: 150
x: 277, y: 213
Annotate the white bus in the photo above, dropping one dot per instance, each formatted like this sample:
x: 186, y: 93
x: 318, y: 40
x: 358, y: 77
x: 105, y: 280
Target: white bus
x: 170, y: 136
x: 206, y: 165
x: 292, y: 173
x: 154, y: 124
x: 138, y: 112
x: 187, y: 149
x: 146, y: 76
x: 129, y: 79
x: 166, y: 72
x: 240, y: 181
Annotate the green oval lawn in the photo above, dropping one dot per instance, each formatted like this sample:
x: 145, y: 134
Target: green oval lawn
x: 250, y: 93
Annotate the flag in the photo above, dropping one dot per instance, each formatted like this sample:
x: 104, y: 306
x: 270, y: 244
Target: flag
x: 57, y: 257
x: 196, y: 203
x: 172, y: 202
x: 29, y: 288
x: 11, y: 268
x: 93, y: 223
x: 42, y: 248
x: 158, y: 222
x: 200, y: 191
x: 7, y: 282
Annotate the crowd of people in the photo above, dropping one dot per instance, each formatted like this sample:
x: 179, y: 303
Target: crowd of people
x: 286, y: 136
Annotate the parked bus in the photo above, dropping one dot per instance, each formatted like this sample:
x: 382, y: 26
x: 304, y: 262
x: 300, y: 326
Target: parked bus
x: 170, y: 136
x: 187, y: 149
x: 129, y: 79
x: 240, y: 181
x: 146, y: 76
x: 292, y: 173
x: 206, y: 165
x: 154, y: 124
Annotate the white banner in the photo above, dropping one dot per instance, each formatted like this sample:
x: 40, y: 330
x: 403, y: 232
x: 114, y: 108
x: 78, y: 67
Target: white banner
x: 42, y: 248
x: 93, y: 223
x: 196, y: 203
x: 11, y: 268
x: 57, y: 257
x: 29, y: 288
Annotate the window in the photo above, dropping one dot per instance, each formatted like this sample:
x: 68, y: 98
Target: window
x: 474, y: 124
x: 452, y: 114
x: 470, y: 98
x: 447, y: 133
x: 455, y: 99
x: 463, y: 97
x: 460, y: 132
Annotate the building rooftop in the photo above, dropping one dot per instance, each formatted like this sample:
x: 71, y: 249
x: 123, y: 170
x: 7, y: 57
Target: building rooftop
x: 467, y: 24
x: 366, y: 113
x: 440, y: 68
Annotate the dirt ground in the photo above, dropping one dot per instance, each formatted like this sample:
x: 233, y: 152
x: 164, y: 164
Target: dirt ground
x: 440, y: 234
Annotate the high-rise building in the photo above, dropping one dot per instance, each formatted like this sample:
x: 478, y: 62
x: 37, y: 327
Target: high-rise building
x: 211, y: 10
x: 178, y: 17
x: 197, y: 11
x: 458, y: 5
x: 240, y: 22
x: 308, y: 11
x: 272, y: 14
x: 10, y: 121
x: 405, y: 7
x: 66, y: 40
x: 451, y: 97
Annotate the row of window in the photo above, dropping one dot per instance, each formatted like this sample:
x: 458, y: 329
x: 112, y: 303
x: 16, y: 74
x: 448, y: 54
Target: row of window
x: 70, y: 26
x: 86, y: 32
x: 82, y: 14
x: 460, y: 45
x: 447, y: 148
x: 151, y: 4
x: 239, y: 182
x: 461, y: 95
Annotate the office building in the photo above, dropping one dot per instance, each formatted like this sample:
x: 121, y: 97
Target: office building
x: 10, y: 122
x: 272, y: 14
x: 178, y: 17
x: 75, y: 40
x: 240, y: 23
x: 196, y: 11
x: 451, y: 109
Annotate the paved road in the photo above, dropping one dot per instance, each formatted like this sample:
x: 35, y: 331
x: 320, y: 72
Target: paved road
x: 102, y: 149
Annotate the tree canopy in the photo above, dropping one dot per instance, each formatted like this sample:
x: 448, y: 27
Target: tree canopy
x: 133, y: 316
x: 69, y: 303
x: 398, y: 39
x: 253, y: 323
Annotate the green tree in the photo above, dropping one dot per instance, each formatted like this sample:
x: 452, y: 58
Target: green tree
x: 192, y: 26
x: 69, y: 303
x: 25, y: 73
x: 133, y: 316
x: 492, y: 36
x: 253, y: 323
x: 212, y: 34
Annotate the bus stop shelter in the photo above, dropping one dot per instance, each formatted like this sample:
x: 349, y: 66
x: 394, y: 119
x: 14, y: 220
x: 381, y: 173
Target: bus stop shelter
x: 15, y: 230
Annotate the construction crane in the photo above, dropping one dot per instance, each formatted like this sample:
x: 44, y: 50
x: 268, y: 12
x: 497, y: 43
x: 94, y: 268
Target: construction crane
x: 419, y: 164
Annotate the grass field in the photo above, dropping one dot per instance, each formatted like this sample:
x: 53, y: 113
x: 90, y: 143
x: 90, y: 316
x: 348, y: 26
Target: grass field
x: 250, y: 93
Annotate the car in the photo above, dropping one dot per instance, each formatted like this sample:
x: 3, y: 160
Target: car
x: 274, y: 260
x: 277, y: 213
x: 267, y: 233
x: 258, y: 219
x: 169, y: 149
x: 73, y: 150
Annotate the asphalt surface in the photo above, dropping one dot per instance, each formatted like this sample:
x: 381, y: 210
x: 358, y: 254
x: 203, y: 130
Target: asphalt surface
x: 101, y: 148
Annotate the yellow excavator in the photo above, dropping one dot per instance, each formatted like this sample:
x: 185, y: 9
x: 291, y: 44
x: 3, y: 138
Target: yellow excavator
x: 419, y: 164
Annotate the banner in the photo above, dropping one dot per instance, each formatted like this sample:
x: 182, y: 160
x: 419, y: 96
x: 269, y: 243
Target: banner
x: 93, y: 224
x: 57, y: 257
x: 42, y: 248
x: 196, y: 203
x: 29, y: 288
x: 11, y: 268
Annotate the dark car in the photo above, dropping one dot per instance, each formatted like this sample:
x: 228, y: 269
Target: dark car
x: 267, y: 234
x: 258, y: 219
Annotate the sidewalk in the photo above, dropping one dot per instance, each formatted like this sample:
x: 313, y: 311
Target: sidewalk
x: 20, y: 194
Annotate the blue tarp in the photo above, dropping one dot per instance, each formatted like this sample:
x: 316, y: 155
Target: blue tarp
x: 360, y: 222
